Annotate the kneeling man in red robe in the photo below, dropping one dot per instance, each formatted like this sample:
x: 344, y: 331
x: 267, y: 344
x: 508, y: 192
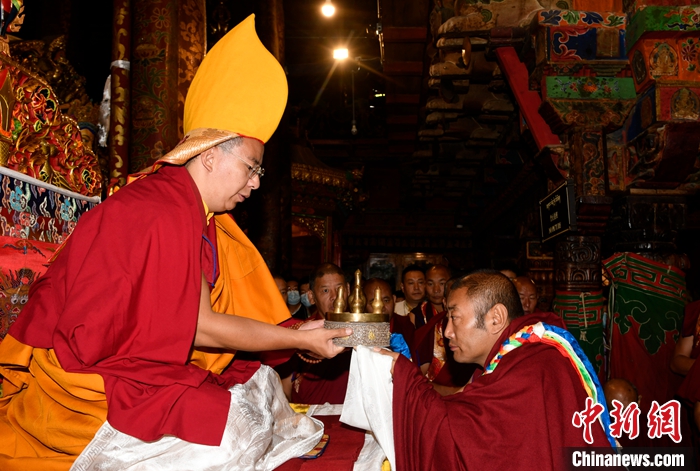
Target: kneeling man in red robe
x: 517, y: 413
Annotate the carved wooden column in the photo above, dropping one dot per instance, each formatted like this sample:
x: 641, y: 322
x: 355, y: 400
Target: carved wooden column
x: 577, y: 263
x: 584, y: 109
x: 192, y: 45
x: 120, y: 117
x: 586, y: 94
x: 154, y: 81
x: 587, y: 155
x: 579, y: 296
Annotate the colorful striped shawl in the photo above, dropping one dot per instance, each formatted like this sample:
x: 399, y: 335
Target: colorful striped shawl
x: 563, y: 341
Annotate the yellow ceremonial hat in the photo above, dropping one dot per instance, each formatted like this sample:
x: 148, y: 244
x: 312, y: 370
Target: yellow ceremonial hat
x: 239, y: 87
x: 239, y: 90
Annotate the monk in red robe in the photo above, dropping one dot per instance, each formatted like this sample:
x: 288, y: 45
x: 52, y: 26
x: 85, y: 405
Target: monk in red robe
x: 518, y: 413
x: 528, y: 293
x: 387, y: 297
x: 403, y: 320
x: 141, y: 313
x: 436, y: 361
x: 308, y: 379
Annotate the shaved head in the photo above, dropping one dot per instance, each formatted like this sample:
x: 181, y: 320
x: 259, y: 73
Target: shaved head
x: 435, y: 279
x: 487, y: 288
x: 388, y: 300
x: 479, y: 308
x: 622, y: 390
x: 527, y: 292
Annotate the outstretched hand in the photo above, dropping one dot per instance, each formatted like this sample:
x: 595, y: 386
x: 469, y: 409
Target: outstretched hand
x: 389, y: 353
x: 309, y: 325
x: 320, y: 340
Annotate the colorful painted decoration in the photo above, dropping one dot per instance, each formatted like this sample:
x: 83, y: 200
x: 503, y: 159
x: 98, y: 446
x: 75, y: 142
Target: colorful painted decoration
x: 34, y: 221
x: 583, y: 315
x: 653, y: 18
x: 590, y: 87
x: 663, y: 61
x: 685, y: 105
x: 658, y: 294
x: 639, y: 67
x: 47, y: 144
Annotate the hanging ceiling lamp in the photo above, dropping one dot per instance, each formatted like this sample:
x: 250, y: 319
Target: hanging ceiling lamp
x: 328, y: 9
x: 340, y: 54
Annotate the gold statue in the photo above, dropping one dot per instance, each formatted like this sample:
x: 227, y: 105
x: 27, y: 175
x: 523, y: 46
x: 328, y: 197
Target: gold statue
x: 339, y: 304
x: 357, y: 300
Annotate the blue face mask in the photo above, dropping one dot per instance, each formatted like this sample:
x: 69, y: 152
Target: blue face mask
x: 305, y: 300
x: 293, y: 297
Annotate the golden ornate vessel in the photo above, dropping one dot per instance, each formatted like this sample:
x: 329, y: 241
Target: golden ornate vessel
x: 369, y: 328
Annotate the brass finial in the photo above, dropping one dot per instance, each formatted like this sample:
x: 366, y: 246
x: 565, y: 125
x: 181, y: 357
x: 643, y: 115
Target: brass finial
x: 377, y: 304
x: 358, y: 301
x: 339, y: 304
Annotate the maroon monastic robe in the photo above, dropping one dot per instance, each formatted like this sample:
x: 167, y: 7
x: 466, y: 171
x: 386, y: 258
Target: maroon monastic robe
x: 128, y: 311
x: 318, y: 382
x: 323, y: 382
x: 518, y: 417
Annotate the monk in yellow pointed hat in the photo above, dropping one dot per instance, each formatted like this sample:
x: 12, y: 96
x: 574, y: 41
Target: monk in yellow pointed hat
x: 126, y: 343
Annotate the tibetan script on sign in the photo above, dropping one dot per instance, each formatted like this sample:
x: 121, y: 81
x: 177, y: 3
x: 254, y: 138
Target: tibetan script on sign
x: 557, y: 212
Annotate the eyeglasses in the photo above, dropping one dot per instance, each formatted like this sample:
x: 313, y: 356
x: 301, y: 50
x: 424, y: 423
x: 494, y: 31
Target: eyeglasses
x: 252, y: 171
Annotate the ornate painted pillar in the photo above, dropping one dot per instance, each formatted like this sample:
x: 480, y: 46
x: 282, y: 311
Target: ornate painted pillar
x: 192, y: 45
x: 120, y: 117
x: 631, y: 134
x: 154, y: 81
x: 580, y: 70
x: 577, y: 263
x: 579, y: 298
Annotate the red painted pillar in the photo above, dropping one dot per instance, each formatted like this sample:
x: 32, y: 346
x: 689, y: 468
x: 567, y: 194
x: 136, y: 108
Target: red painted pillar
x: 154, y: 82
x: 119, y: 122
x: 192, y: 45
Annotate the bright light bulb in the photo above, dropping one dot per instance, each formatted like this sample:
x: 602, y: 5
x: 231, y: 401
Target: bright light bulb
x: 328, y: 9
x: 340, y: 54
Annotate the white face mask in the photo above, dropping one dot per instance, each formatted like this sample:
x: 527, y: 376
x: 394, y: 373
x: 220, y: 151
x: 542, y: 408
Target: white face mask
x: 293, y: 297
x: 305, y: 300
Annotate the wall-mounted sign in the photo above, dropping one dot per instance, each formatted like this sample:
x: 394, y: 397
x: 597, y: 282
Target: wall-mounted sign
x: 558, y: 211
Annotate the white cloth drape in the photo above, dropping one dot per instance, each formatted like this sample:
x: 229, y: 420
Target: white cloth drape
x: 371, y: 456
x: 368, y: 400
x: 262, y: 432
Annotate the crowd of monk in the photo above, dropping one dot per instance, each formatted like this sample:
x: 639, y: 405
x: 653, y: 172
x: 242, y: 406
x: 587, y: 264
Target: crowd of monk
x: 420, y: 312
